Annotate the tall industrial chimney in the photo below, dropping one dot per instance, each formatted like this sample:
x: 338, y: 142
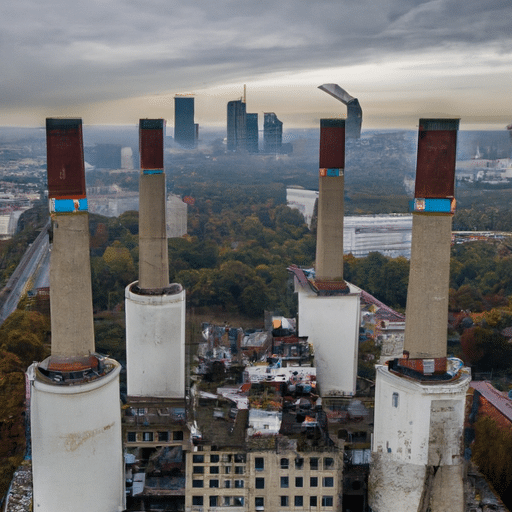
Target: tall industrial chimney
x: 77, y: 456
x: 328, y: 306
x: 155, y: 309
x: 419, y: 398
x: 329, y: 244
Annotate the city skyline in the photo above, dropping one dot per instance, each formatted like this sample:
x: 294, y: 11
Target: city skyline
x: 115, y: 63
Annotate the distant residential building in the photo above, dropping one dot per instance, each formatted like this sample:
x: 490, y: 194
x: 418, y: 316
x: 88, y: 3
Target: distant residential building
x: 237, y: 125
x: 302, y: 200
x: 272, y: 133
x: 184, y: 127
x: 176, y: 216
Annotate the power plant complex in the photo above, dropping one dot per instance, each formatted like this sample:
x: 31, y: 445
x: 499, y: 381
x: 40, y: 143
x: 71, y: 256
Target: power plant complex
x: 295, y: 431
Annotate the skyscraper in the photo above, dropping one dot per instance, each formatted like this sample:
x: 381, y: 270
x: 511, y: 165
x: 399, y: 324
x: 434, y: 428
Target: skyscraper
x: 272, y: 133
x: 252, y: 133
x: 237, y: 125
x: 184, y: 128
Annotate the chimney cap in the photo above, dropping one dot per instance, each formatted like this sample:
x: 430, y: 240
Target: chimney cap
x: 151, y: 124
x: 332, y: 123
x: 439, y: 124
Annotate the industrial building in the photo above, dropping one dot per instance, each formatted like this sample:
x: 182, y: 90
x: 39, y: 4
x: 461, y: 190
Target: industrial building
x: 74, y: 394
x: 420, y: 397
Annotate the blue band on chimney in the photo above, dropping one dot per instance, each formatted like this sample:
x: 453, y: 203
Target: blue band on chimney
x: 152, y: 171
x: 68, y: 205
x: 334, y: 172
x: 429, y: 205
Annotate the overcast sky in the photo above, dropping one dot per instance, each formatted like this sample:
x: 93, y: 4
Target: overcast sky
x: 115, y: 61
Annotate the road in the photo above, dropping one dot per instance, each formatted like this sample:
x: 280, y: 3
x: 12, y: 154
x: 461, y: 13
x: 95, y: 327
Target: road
x: 31, y: 271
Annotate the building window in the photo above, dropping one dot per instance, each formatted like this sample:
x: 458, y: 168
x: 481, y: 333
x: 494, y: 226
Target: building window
x: 140, y: 411
x: 313, y: 463
x: 214, y: 458
x: 259, y: 464
x: 227, y: 470
x: 226, y: 457
x: 327, y: 501
x: 394, y: 400
x: 299, y: 463
x: 284, y: 463
x: 328, y: 481
x: 163, y: 436
x: 239, y: 470
x: 313, y: 481
x: 213, y: 501
x: 197, y: 500
x: 227, y: 484
x: 259, y: 483
x: 259, y: 502
x: 239, y: 484
x: 198, y: 470
x: 240, y: 457
x: 328, y: 463
x: 284, y: 501
x: 177, y: 435
x: 238, y: 501
x: 131, y: 437
x: 197, y: 458
x: 147, y: 436
x: 298, y: 501
x: 214, y: 484
x: 312, y: 501
x: 284, y: 482
x: 226, y: 501
x: 197, y: 483
x: 298, y: 481
x: 214, y: 470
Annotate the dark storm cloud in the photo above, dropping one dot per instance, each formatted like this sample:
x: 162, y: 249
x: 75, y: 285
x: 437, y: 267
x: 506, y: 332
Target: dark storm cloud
x: 55, y: 52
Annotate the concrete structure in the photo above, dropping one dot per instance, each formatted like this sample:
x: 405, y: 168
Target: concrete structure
x: 259, y: 480
x: 272, y: 133
x: 237, y: 125
x: 328, y: 306
x: 155, y: 310
x: 329, y: 243
x: 420, y: 398
x: 354, y: 111
x: 77, y: 459
x: 184, y: 127
x: 331, y: 324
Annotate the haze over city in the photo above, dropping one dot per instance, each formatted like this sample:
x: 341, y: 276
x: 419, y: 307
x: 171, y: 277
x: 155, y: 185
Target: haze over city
x: 116, y: 62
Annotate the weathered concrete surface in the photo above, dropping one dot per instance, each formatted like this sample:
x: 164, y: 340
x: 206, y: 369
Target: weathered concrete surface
x: 329, y: 246
x: 427, y: 295
x: 398, y: 487
x: 153, y: 252
x: 70, y: 284
x: 77, y: 453
x: 155, y: 344
x: 394, y: 486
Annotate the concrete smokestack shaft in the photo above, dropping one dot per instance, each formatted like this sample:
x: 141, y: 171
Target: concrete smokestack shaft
x: 427, y: 297
x: 427, y: 300
x: 70, y: 270
x: 153, y: 251
x: 329, y: 250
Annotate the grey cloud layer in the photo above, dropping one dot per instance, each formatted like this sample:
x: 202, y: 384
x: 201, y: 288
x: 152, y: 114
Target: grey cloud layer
x: 59, y: 51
